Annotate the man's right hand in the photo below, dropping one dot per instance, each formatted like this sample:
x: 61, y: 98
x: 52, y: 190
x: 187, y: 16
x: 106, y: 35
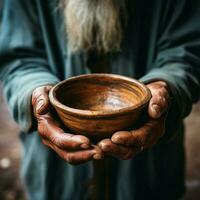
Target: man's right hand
x: 74, y: 149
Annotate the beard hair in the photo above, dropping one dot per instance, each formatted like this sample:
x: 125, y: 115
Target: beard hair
x: 93, y: 24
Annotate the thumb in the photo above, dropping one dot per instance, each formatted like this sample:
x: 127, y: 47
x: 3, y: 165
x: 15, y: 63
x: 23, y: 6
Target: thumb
x: 159, y: 101
x: 40, y: 100
x: 155, y: 110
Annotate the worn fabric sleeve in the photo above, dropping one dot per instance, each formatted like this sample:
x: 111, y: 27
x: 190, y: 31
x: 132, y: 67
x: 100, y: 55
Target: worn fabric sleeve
x: 23, y: 62
x: 178, y: 59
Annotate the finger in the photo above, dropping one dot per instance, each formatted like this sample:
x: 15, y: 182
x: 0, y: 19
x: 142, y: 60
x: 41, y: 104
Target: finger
x: 160, y: 99
x: 117, y: 150
x: 40, y: 100
x: 49, y: 129
x: 157, y: 105
x: 146, y: 136
x: 76, y: 157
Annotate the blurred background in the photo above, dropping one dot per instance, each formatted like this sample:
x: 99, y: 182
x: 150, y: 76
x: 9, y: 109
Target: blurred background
x: 11, y: 188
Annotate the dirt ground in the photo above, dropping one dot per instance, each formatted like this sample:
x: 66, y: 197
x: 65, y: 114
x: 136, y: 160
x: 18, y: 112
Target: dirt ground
x: 11, y: 187
x: 192, y: 144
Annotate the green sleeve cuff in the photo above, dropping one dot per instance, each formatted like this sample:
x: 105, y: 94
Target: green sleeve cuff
x: 160, y: 75
x: 20, y: 104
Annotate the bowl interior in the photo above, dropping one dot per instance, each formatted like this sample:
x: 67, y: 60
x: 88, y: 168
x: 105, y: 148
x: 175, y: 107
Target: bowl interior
x: 99, y: 93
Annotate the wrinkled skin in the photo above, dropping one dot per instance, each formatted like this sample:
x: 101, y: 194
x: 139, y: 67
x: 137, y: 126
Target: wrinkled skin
x: 76, y: 149
x: 126, y: 144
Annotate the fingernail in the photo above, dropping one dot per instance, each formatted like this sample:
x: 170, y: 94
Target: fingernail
x: 39, y: 105
x: 97, y: 156
x: 156, y: 109
x: 85, y: 146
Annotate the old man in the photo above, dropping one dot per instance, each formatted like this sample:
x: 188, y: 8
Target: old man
x: 157, y: 42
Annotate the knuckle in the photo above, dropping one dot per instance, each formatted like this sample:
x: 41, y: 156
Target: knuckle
x: 136, y: 140
x: 159, y: 93
x: 42, y: 121
x: 60, y: 143
x: 143, y: 138
x: 165, y: 93
x: 56, y: 141
x: 161, y: 100
x: 42, y: 129
x: 163, y: 103
x: 61, y: 140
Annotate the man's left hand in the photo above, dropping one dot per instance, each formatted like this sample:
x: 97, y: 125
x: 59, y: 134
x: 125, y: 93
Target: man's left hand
x: 126, y: 144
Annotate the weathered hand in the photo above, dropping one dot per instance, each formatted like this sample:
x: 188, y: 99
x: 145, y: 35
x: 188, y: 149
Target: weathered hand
x: 126, y: 144
x: 74, y: 149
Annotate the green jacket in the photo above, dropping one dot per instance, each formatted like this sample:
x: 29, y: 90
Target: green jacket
x: 162, y: 42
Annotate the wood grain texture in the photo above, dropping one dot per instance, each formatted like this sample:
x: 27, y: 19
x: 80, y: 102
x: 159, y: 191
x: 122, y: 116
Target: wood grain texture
x: 97, y: 105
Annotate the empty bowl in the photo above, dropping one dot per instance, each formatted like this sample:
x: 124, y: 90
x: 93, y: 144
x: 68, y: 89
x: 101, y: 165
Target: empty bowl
x: 97, y: 105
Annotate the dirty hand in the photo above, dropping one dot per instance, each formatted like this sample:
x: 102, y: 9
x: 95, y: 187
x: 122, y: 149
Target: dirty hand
x: 126, y: 144
x: 74, y: 149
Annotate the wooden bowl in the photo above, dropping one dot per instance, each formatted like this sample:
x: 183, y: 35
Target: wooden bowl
x: 97, y: 105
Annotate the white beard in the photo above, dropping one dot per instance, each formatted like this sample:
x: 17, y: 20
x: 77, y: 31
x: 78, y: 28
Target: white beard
x: 93, y: 24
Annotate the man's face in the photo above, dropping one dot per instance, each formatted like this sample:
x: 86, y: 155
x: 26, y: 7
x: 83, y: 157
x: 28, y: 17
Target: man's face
x: 93, y: 24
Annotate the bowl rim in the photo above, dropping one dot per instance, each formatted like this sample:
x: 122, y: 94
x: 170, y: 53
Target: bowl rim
x: 89, y: 113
